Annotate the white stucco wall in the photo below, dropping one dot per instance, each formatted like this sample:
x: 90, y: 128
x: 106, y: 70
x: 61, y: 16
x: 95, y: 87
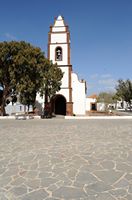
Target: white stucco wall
x: 57, y: 37
x: 64, y: 80
x: 16, y: 108
x: 88, y: 103
x: 59, y: 29
x: 78, y: 96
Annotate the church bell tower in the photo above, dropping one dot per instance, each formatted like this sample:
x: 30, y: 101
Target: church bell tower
x: 59, y: 52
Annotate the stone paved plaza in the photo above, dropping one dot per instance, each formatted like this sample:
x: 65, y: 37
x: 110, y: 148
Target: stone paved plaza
x: 58, y: 159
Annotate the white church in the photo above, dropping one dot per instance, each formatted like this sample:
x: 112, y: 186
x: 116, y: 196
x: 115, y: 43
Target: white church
x: 71, y: 99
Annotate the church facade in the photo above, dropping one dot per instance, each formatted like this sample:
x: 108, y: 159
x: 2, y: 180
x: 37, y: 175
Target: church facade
x: 71, y: 99
x: 72, y: 95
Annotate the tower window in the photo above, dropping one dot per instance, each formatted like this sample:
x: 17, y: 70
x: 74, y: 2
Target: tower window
x: 58, y: 54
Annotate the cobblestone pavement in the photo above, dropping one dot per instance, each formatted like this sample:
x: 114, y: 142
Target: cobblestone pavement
x: 57, y: 159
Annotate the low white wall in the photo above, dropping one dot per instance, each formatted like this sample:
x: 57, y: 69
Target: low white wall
x: 88, y: 103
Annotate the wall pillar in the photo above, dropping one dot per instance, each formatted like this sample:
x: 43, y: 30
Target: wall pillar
x: 69, y: 108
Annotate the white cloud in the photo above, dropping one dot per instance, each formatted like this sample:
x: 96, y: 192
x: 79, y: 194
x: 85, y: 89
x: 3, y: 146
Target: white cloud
x: 106, y: 75
x: 10, y: 36
x: 94, y: 76
x: 107, y: 84
x: 109, y: 81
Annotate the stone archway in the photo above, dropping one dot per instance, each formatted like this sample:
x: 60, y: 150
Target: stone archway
x: 58, y: 105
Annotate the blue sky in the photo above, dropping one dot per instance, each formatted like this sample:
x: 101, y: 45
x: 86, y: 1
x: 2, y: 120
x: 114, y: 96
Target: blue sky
x: 101, y: 34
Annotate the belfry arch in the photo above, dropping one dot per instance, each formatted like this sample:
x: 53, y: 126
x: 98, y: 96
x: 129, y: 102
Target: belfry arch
x: 58, y: 105
x: 58, y: 54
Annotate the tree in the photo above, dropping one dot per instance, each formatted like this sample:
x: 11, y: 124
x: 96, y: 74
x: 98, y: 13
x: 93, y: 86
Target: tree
x: 124, y: 91
x: 51, y: 83
x: 24, y: 71
x: 20, y: 66
x: 106, y: 98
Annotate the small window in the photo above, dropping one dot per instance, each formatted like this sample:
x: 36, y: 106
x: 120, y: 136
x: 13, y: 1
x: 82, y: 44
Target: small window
x: 58, y: 54
x: 93, y: 106
x: 20, y: 108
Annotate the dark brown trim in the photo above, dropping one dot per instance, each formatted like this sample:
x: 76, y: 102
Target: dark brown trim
x: 65, y: 65
x: 68, y: 37
x: 70, y: 89
x: 67, y: 28
x: 49, y: 41
x: 69, y: 56
x: 59, y: 26
x: 58, y: 32
x: 58, y: 43
x: 69, y: 108
x: 48, y: 53
x: 49, y: 37
x: 66, y: 88
x: 51, y: 28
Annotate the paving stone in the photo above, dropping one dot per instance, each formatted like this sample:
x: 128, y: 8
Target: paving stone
x: 109, y: 176
x: 45, y: 174
x: 33, y: 183
x: 19, y: 191
x: 72, y: 174
x: 27, y: 158
x: 64, y: 178
x: 4, y: 163
x: 130, y: 157
x: 69, y: 193
x: 105, y: 196
x: 130, y: 188
x: 91, y: 167
x: 107, y: 164
x: 118, y: 192
x: 52, y: 187
x: 121, y: 183
x: 33, y: 166
x: 72, y: 159
x: 128, y: 177
x: 4, y: 181
x: 2, y: 170
x: 36, y: 195
x: 31, y: 174
x: 124, y: 167
x: 11, y: 171
x: 3, y: 197
x: 46, y: 182
x: 99, y: 187
x: 86, y: 178
x: 18, y: 181
x: 129, y: 197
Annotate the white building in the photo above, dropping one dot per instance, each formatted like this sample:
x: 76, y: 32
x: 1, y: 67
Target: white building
x: 71, y: 99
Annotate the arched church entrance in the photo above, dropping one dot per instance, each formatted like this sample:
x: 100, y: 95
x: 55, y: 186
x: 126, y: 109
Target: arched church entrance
x: 58, y: 105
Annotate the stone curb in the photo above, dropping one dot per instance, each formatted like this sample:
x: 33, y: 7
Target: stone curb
x: 98, y: 117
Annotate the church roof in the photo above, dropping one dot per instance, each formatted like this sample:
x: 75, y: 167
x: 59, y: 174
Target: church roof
x: 93, y: 96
